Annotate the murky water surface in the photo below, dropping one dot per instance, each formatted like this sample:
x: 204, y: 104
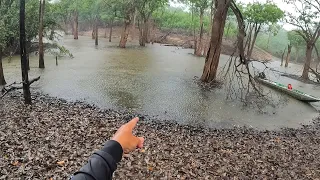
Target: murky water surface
x: 157, y: 81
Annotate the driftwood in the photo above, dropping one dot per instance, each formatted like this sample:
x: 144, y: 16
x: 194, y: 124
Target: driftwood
x: 317, y: 74
x: 13, y: 86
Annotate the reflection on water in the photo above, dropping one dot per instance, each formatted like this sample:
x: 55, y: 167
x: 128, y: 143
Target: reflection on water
x: 157, y: 81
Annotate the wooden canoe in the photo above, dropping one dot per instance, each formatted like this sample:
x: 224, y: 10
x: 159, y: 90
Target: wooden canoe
x: 293, y: 92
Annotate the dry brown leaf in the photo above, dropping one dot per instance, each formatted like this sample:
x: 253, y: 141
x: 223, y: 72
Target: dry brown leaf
x: 51, y: 178
x: 150, y: 168
x: 16, y: 163
x: 61, y: 163
x: 142, y: 151
x: 278, y: 140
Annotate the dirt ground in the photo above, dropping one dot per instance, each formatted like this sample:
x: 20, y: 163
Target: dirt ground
x: 178, y: 39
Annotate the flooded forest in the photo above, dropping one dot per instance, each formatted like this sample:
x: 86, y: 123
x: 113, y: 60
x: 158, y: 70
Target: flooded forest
x: 224, y: 89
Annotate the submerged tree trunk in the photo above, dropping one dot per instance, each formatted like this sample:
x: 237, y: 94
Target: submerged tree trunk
x: 93, y: 35
x: 2, y: 80
x: 96, y: 32
x: 41, y: 48
x: 288, y: 55
x: 143, y: 28
x: 305, y: 74
x: 282, y: 57
x: 125, y: 33
x: 24, y: 70
x: 199, y: 48
x: 75, y: 25
x: 213, y: 56
x: 110, y: 33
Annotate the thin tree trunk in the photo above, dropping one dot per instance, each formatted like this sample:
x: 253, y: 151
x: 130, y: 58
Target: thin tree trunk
x: 256, y: 32
x: 305, y: 73
x: 105, y: 32
x: 96, y: 32
x: 268, y: 43
x: 249, y: 38
x: 143, y: 28
x: 194, y: 30
x: 288, y: 55
x: 24, y: 70
x: 200, y: 45
x: 282, y: 57
x: 213, y: 57
x: 111, y: 27
x: 125, y: 33
x: 2, y: 80
x: 93, y: 36
x: 75, y: 25
x: 41, y: 48
x: 133, y: 26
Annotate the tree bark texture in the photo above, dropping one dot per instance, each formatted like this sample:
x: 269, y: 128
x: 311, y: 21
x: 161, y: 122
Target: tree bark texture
x: 24, y: 70
x: 288, y: 56
x: 199, y: 48
x: 282, y: 57
x: 125, y: 33
x: 2, y: 80
x: 96, y: 32
x: 41, y: 24
x: 213, y: 56
x: 305, y: 73
x: 75, y: 25
x: 256, y: 32
x: 143, y: 32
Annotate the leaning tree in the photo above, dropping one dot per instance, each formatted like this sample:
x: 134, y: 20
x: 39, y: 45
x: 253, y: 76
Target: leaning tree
x: 307, y: 19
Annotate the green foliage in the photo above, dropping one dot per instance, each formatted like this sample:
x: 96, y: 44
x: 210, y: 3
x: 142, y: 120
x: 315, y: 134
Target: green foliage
x: 263, y: 13
x: 295, y: 39
x: 176, y: 18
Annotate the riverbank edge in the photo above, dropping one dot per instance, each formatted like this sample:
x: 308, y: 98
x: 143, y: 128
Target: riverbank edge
x: 184, y: 151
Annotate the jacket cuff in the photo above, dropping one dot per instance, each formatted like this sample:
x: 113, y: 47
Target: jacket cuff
x: 114, y: 149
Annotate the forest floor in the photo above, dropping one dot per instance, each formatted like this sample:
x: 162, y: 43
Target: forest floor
x: 54, y: 138
x: 180, y: 39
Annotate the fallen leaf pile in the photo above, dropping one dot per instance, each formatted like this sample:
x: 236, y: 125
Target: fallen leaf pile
x: 53, y: 138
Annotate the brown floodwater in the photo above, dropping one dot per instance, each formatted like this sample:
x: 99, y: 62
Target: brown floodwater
x: 157, y: 81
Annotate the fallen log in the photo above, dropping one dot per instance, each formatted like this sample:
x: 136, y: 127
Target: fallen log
x: 316, y: 74
x: 11, y: 87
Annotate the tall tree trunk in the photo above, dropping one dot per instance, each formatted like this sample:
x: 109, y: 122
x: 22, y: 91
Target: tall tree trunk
x: 24, y: 70
x: 249, y: 38
x: 200, y: 41
x: 305, y: 73
x: 288, y: 55
x: 213, y: 56
x: 282, y: 57
x: 111, y: 27
x: 143, y: 33
x: 2, y: 80
x: 96, y: 32
x: 41, y: 48
x: 194, y: 29
x: 93, y: 35
x: 256, y: 32
x: 133, y: 26
x: 125, y: 33
x: 105, y: 32
x: 75, y: 25
x: 268, y: 43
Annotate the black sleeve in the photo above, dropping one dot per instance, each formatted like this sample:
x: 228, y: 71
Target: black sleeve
x: 101, y: 164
